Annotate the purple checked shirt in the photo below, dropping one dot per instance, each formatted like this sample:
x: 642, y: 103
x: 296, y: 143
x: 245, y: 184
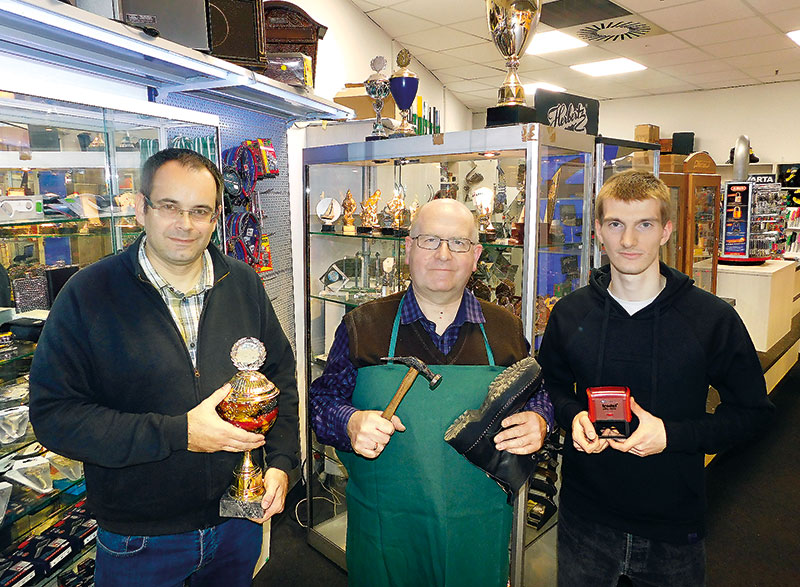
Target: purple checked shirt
x: 331, y: 394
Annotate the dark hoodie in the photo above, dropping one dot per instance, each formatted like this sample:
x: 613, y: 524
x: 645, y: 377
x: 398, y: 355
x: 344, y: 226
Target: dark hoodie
x: 668, y: 354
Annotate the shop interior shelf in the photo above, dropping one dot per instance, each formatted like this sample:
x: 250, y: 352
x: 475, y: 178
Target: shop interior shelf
x: 62, y: 220
x: 28, y: 510
x: 351, y: 299
x: 23, y: 351
x: 77, y: 558
x: 18, y: 445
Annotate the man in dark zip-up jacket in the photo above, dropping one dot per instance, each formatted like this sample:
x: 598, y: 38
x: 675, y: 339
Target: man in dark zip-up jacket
x: 636, y: 507
x: 126, y: 377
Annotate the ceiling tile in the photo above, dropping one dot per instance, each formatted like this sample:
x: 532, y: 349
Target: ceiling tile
x: 786, y: 21
x: 439, y: 39
x: 718, y: 77
x: 727, y: 31
x: 443, y: 12
x: 495, y: 81
x: 748, y: 46
x: 767, y: 6
x: 435, y: 61
x: 468, y: 86
x: 789, y: 77
x: 534, y: 63
x: 775, y: 59
x: 475, y: 26
x: 699, y: 67
x: 397, y: 24
x: 446, y: 78
x: 673, y: 57
x: 383, y: 3
x: 470, y: 71
x: 651, y: 80
x: 700, y: 13
x: 638, y: 6
x: 580, y: 55
x: 731, y: 83
x: 654, y: 45
x: 366, y: 6
x: 480, y: 53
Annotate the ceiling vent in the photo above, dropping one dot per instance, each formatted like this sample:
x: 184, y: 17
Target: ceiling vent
x: 615, y: 30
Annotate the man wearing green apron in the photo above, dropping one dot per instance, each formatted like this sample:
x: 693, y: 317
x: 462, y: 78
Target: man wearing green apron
x: 419, y: 514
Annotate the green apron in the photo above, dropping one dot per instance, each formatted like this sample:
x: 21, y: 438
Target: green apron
x: 421, y: 515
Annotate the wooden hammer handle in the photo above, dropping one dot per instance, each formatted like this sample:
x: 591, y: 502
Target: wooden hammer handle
x: 405, y: 385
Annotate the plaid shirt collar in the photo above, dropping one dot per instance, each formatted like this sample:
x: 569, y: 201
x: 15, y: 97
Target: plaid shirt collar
x: 468, y: 311
x: 206, y: 278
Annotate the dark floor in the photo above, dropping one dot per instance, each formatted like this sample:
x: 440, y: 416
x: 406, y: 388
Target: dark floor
x: 753, y: 519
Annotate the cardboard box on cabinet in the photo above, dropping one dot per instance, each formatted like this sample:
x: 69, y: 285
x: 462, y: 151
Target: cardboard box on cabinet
x: 672, y: 163
x: 646, y: 133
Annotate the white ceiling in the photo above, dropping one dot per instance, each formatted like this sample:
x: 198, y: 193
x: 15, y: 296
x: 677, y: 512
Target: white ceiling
x: 694, y: 45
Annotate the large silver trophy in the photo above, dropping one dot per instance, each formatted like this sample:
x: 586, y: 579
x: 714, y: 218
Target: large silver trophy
x: 512, y: 24
x: 377, y: 86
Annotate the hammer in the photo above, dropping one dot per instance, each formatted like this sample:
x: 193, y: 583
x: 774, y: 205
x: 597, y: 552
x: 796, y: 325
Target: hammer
x: 415, y: 367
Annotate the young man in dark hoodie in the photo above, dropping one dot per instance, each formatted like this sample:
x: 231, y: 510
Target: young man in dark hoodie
x: 636, y: 506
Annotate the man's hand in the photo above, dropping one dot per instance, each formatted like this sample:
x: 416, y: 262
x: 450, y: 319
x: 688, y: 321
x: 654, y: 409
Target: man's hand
x: 210, y: 433
x: 584, y: 436
x: 649, y: 438
x: 524, y: 433
x: 369, y: 432
x: 276, y: 486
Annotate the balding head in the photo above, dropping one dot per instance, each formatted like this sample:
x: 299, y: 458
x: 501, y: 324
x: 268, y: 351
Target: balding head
x: 448, y: 210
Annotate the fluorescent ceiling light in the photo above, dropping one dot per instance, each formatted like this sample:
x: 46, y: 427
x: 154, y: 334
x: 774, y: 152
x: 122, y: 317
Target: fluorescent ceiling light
x: 552, y: 41
x: 794, y: 36
x: 609, y: 67
x: 531, y: 88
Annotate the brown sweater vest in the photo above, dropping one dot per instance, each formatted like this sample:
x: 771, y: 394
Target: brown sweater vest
x: 370, y: 329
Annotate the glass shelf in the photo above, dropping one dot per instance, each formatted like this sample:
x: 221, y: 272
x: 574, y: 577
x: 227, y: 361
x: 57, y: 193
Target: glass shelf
x: 29, y: 509
x: 348, y: 299
x: 23, y: 351
x: 21, y: 443
x: 62, y: 220
x: 69, y: 565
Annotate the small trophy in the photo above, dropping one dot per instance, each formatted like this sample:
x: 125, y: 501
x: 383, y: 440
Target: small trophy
x: 252, y: 405
x: 395, y: 208
x: 369, y: 215
x: 484, y: 205
x: 377, y: 86
x: 328, y: 211
x: 348, y: 208
x: 404, y: 85
x: 512, y: 24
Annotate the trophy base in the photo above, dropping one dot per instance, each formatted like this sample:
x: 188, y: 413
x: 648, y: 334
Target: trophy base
x: 347, y: 229
x: 388, y: 231
x: 401, y: 232
x: 327, y: 228
x: 376, y: 138
x: 505, y: 115
x: 230, y: 507
x: 364, y: 230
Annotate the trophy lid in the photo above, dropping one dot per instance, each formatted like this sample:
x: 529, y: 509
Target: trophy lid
x: 377, y: 64
x: 248, y: 354
x: 403, y: 61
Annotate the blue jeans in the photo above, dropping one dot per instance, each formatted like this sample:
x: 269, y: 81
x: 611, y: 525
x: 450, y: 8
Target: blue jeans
x: 223, y: 555
x: 593, y: 555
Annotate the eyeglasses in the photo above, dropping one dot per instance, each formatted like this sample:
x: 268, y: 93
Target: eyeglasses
x: 431, y: 242
x: 170, y: 211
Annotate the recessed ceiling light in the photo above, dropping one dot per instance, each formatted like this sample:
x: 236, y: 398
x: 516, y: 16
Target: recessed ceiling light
x: 553, y: 41
x: 608, y: 67
x: 531, y: 88
x: 793, y: 35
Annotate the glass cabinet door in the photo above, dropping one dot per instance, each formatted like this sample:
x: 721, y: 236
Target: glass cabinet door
x: 703, y: 248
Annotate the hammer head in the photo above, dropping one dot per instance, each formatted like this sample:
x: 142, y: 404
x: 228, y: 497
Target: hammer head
x: 413, y: 362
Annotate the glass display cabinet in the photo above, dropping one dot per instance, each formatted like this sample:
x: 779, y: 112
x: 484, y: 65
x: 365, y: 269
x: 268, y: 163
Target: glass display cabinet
x: 68, y: 175
x: 693, y: 247
x: 529, y: 187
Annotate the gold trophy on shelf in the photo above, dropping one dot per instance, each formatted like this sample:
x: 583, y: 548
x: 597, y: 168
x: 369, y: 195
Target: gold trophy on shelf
x: 251, y: 404
x: 348, y: 208
x: 512, y: 24
x: 369, y: 215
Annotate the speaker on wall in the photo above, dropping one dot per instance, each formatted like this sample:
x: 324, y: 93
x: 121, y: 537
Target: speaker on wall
x: 237, y: 29
x: 683, y: 143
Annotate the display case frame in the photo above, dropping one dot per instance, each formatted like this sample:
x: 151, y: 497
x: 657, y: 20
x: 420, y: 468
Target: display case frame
x: 542, y: 150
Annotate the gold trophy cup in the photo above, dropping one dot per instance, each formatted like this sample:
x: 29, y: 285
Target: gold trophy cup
x: 512, y: 24
x: 251, y: 404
